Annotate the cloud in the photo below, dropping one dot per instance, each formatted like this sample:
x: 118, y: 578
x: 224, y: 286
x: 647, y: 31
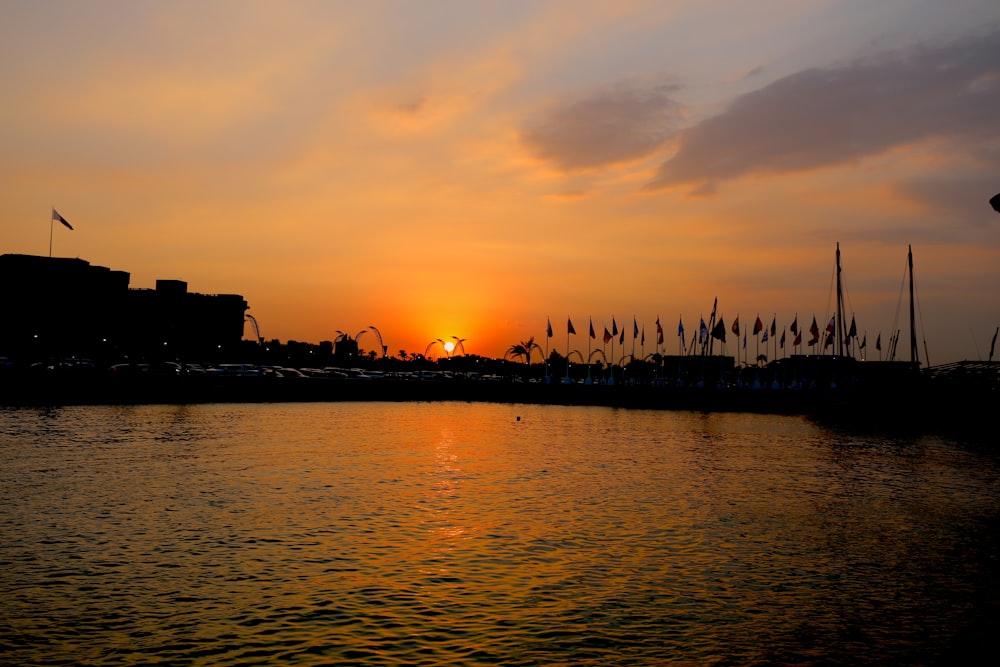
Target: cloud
x: 615, y: 124
x: 823, y: 117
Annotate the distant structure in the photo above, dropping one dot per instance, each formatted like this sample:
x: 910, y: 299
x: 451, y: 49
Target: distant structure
x: 61, y: 307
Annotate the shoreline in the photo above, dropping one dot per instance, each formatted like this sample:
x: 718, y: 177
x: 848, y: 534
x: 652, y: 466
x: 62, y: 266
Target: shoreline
x: 921, y: 407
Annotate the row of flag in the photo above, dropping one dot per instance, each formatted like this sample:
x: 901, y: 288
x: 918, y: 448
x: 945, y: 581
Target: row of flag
x: 719, y: 332
x: 609, y: 335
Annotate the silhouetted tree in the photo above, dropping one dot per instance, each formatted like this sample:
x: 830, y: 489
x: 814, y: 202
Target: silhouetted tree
x: 403, y: 355
x: 523, y: 350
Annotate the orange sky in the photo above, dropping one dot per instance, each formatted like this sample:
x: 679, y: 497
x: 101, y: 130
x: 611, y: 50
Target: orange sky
x: 440, y: 169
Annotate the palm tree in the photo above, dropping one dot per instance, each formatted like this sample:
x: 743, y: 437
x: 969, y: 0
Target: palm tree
x: 523, y: 350
x: 403, y: 355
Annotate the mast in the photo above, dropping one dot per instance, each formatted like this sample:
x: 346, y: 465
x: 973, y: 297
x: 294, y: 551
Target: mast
x: 840, y: 308
x: 914, y: 353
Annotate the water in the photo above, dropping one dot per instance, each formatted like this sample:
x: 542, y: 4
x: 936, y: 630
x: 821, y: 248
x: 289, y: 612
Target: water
x: 454, y: 533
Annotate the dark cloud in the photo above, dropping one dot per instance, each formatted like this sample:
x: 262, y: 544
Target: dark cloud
x: 822, y: 117
x: 615, y: 124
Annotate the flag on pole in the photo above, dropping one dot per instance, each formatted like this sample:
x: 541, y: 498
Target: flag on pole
x: 569, y: 327
x: 621, y: 339
x: 719, y: 332
x: 548, y: 329
x: 58, y: 218
x: 757, y: 326
x: 878, y: 342
x: 798, y: 339
x: 702, y: 331
x: 680, y: 332
x: 795, y: 325
x: 853, y: 333
x: 607, y: 335
x: 592, y: 334
x: 814, y: 330
x: 993, y: 345
x: 763, y: 338
x: 635, y: 329
x: 774, y: 325
x: 736, y: 327
x: 864, y: 341
x: 782, y: 339
x: 642, y: 341
x: 659, y: 332
x: 614, y: 326
x: 832, y: 326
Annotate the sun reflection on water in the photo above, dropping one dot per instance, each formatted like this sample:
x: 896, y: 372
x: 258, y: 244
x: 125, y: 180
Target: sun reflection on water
x: 455, y: 533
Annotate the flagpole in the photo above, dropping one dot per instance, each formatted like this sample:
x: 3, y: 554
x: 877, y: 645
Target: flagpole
x: 642, y: 343
x: 51, y: 221
x: 737, y: 342
x: 756, y: 335
x: 589, y: 336
x: 569, y: 322
x: 548, y: 335
x: 774, y: 334
x: 635, y: 326
x: 611, y: 364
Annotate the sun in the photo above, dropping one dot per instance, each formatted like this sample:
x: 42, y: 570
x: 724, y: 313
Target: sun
x: 449, y: 347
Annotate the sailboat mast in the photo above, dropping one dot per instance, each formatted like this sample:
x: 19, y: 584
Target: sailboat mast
x: 840, y: 309
x: 914, y: 353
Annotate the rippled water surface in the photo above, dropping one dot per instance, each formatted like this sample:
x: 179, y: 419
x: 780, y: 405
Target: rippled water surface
x: 453, y: 533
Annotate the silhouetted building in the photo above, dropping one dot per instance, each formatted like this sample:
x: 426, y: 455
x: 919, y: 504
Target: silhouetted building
x: 345, y: 348
x: 59, y: 307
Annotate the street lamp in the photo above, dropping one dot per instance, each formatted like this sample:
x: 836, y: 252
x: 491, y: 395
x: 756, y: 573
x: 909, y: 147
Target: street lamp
x: 385, y: 348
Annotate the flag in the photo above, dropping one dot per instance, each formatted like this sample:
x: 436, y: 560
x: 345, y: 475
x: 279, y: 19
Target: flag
x: 853, y: 333
x: 702, y: 331
x: 829, y: 341
x: 814, y: 330
x: 719, y: 332
x: 614, y: 327
x: 592, y: 334
x: 569, y: 327
x: 757, y: 326
x: 832, y: 326
x: 812, y: 342
x: 782, y: 342
x: 680, y: 327
x: 642, y: 341
x: 774, y: 325
x: 744, y: 340
x: 548, y: 329
x: 763, y: 338
x: 864, y: 341
x: 798, y: 339
x: 607, y: 335
x: 621, y: 338
x: 635, y: 329
x: 736, y: 327
x: 58, y: 218
x: 878, y: 342
x: 993, y: 345
x: 659, y: 332
x: 795, y: 325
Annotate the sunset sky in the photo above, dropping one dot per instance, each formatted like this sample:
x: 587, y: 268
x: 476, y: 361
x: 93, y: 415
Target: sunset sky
x: 458, y: 168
